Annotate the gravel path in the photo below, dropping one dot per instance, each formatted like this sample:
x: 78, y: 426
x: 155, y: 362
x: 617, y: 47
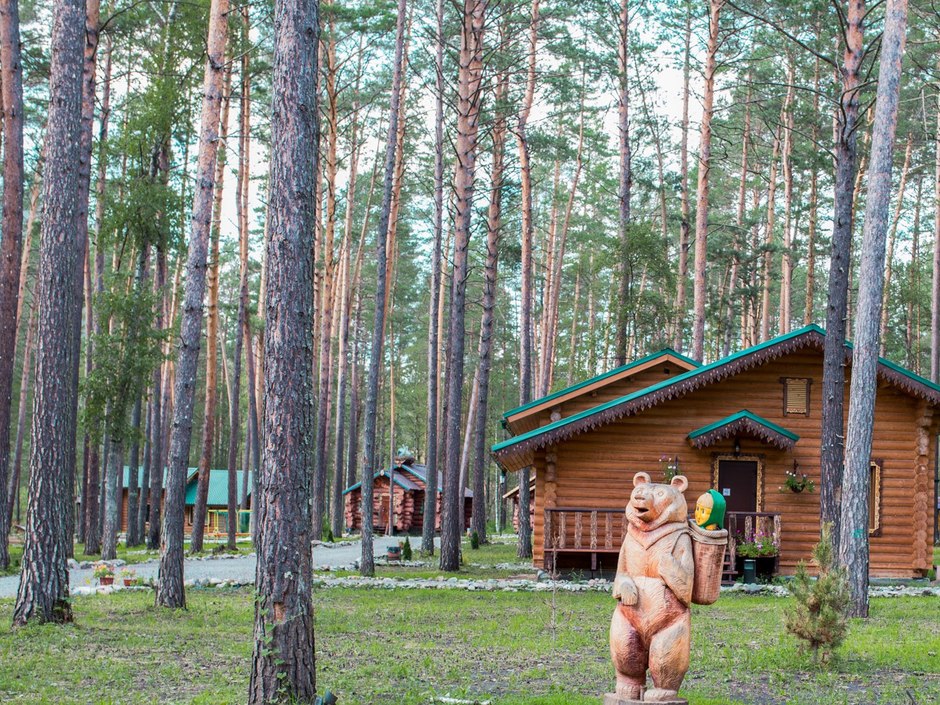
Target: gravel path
x: 240, y: 569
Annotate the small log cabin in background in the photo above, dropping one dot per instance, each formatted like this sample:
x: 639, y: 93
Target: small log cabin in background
x: 216, y: 501
x: 513, y: 497
x: 409, y: 482
x: 737, y: 425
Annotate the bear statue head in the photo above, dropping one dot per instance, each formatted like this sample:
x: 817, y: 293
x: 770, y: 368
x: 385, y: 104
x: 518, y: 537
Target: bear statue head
x: 651, y: 504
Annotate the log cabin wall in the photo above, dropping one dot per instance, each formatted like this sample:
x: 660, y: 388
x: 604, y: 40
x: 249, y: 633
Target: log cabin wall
x: 595, y: 469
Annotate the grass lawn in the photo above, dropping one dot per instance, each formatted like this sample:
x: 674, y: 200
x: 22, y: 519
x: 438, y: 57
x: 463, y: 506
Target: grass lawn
x: 402, y: 647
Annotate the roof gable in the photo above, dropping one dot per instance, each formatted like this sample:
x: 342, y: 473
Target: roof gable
x: 516, y: 452
x: 520, y: 419
x: 745, y: 422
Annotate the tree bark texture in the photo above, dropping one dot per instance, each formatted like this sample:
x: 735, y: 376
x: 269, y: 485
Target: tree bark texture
x: 623, y: 191
x: 170, y: 591
x: 212, y: 325
x: 853, y: 544
x: 469, y: 82
x: 327, y: 267
x: 367, y: 561
x: 241, y: 329
x: 493, y: 230
x: 684, y: 225
x: 283, y: 662
x: 701, y: 196
x: 833, y: 382
x: 525, y: 290
x: 44, y: 581
x: 11, y: 85
x: 430, y: 495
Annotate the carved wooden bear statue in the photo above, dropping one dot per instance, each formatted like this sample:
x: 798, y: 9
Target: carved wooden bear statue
x: 650, y: 628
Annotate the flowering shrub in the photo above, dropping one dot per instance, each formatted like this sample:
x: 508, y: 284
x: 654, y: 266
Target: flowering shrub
x: 761, y: 545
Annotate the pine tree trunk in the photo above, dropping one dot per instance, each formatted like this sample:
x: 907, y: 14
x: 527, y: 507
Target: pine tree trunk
x: 833, y: 382
x: 935, y: 283
x: 283, y: 662
x: 140, y: 518
x: 133, y: 480
x: 769, y: 229
x: 13, y: 486
x: 626, y: 181
x: 684, y: 225
x: 170, y: 591
x: 701, y: 196
x: 493, y: 230
x: 367, y: 562
x: 111, y: 508
x: 212, y: 327
x: 241, y: 333
x: 786, y: 278
x: 157, y: 397
x: 469, y: 85
x: 430, y: 494
x: 325, y: 268
x: 44, y: 582
x: 11, y: 85
x: 892, y: 239
x: 853, y: 544
x: 525, y: 293
x: 813, y: 208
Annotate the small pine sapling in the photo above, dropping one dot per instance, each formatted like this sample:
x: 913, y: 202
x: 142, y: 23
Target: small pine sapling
x: 818, y: 613
x: 474, y: 541
x: 406, y: 550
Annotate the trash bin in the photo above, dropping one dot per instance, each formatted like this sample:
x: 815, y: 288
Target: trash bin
x: 750, y: 570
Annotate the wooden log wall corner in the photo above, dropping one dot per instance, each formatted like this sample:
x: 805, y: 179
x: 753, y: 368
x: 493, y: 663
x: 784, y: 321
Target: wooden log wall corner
x: 922, y: 494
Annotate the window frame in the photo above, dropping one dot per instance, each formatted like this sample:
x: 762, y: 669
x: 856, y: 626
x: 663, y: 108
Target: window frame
x: 785, y: 382
x: 875, y: 485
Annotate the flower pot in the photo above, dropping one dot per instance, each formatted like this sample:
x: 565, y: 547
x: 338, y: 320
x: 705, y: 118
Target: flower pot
x: 796, y: 490
x: 128, y: 582
x: 107, y: 580
x: 393, y: 553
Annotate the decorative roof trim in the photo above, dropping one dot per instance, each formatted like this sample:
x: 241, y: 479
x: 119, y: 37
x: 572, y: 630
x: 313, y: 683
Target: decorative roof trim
x: 665, y: 352
x: 743, y: 422
x: 515, y: 453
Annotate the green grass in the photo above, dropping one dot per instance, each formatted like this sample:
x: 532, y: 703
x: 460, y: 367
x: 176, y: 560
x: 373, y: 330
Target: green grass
x: 403, y: 646
x: 477, y: 564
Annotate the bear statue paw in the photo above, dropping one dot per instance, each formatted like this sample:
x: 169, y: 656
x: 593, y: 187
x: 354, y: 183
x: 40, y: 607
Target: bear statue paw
x: 659, y: 695
x: 629, y: 692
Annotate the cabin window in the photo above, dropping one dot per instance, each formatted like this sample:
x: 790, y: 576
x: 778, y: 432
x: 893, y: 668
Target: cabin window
x: 795, y: 396
x: 874, y: 497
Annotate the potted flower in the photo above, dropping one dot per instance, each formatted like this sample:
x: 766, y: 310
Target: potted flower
x: 762, y: 549
x: 104, y: 573
x: 798, y: 481
x: 129, y: 576
x: 393, y: 553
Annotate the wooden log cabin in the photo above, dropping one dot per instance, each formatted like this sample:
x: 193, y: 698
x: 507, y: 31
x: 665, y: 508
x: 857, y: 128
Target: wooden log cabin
x: 737, y: 425
x: 216, y: 501
x: 409, y: 485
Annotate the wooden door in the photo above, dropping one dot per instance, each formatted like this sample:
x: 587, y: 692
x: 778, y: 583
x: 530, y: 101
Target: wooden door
x: 737, y: 482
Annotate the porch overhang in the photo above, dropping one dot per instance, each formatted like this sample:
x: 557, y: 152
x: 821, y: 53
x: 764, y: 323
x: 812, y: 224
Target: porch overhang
x: 743, y: 423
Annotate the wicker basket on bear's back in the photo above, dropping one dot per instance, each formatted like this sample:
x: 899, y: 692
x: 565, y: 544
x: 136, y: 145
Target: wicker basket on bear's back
x: 708, y: 549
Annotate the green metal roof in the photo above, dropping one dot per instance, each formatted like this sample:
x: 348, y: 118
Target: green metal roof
x: 587, y: 413
x: 744, y: 414
x: 652, y: 388
x: 599, y: 378
x: 218, y: 488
